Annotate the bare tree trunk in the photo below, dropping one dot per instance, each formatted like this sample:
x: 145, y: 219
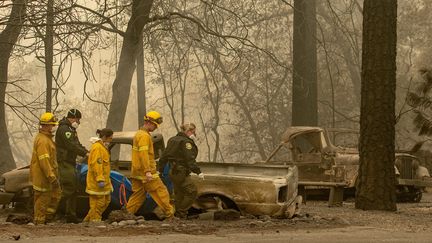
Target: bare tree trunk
x: 8, y: 38
x: 168, y: 89
x: 305, y: 100
x: 242, y: 103
x: 215, y: 101
x: 376, y: 186
x: 141, y: 92
x: 174, y: 81
x: 348, y: 45
x: 48, y: 42
x: 122, y: 83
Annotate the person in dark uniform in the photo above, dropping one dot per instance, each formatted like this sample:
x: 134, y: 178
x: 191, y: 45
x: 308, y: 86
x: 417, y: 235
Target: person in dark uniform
x: 181, y: 153
x: 68, y: 148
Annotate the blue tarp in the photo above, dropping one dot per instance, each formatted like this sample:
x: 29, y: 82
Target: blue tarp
x: 119, y: 181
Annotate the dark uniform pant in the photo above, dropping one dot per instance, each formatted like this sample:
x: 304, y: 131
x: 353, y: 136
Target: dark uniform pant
x: 185, y: 192
x: 68, y: 181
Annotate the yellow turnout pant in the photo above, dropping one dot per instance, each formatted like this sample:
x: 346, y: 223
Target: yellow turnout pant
x: 45, y: 205
x: 157, y: 191
x: 98, y: 204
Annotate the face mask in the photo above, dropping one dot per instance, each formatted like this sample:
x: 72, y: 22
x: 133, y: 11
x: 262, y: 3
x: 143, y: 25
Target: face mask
x: 106, y: 144
x: 54, y: 130
x: 75, y: 125
x: 192, y: 137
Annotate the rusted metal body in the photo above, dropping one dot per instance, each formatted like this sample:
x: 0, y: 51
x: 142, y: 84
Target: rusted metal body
x: 259, y: 189
x: 251, y: 189
x: 15, y: 186
x: 321, y: 163
x: 256, y: 189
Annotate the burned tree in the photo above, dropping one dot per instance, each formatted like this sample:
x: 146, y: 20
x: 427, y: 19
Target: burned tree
x: 304, y: 100
x: 376, y: 181
x: 8, y: 38
x: 126, y: 67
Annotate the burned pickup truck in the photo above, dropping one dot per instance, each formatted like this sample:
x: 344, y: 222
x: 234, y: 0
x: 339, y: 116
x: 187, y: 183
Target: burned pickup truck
x: 324, y: 165
x: 256, y: 189
x: 250, y: 189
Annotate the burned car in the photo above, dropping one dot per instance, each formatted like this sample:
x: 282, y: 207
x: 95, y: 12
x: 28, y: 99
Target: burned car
x: 250, y: 189
x: 328, y: 160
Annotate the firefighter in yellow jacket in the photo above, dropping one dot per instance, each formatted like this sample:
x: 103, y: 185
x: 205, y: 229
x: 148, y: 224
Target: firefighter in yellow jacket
x: 99, y: 185
x: 44, y: 175
x: 144, y: 175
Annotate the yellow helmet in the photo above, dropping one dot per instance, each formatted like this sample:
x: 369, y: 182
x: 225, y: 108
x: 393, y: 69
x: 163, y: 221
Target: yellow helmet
x: 154, y: 117
x: 48, y: 118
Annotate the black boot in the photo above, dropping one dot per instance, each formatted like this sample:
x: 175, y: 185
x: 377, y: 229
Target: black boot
x: 72, y: 219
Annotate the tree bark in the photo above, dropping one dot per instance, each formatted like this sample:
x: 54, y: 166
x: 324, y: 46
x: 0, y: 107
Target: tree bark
x: 376, y: 185
x: 48, y: 43
x: 126, y: 67
x: 304, y: 97
x: 8, y: 38
x: 141, y: 92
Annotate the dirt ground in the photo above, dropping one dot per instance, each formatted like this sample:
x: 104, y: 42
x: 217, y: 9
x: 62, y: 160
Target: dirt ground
x: 317, y: 223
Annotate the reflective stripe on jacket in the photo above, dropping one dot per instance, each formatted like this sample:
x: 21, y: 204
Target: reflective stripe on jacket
x: 142, y: 155
x: 43, y: 165
x: 98, y: 170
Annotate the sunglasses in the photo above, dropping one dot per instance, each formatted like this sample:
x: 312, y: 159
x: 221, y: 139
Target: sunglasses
x: 159, y: 120
x: 156, y: 121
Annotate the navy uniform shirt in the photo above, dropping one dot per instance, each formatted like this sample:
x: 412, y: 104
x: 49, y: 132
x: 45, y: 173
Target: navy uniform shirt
x: 182, y: 151
x: 67, y: 143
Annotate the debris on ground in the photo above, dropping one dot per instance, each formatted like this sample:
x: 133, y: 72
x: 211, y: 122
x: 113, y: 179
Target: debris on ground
x: 19, y: 218
x: 121, y: 215
x: 316, y: 217
x: 224, y: 214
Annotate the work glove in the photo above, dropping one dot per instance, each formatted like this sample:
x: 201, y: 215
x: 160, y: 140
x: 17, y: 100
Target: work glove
x: 101, y: 184
x: 201, y: 176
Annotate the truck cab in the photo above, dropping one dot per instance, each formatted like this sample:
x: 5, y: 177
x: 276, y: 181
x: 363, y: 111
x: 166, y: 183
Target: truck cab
x: 329, y: 159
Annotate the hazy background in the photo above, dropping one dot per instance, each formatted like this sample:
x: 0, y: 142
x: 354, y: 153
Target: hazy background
x: 214, y: 80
